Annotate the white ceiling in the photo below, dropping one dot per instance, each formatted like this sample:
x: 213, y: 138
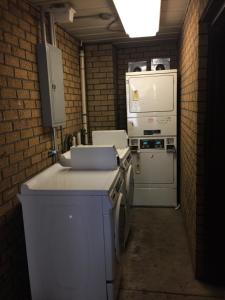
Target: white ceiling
x: 88, y: 25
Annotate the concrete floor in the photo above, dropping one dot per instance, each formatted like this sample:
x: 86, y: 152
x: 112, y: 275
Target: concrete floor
x: 157, y: 263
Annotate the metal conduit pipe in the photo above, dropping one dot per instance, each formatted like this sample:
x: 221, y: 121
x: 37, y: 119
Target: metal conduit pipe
x: 43, y: 27
x: 83, y: 94
x: 52, y: 29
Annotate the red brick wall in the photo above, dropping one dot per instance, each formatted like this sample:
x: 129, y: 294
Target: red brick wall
x: 24, y: 143
x: 101, y: 89
x: 192, y: 69
x: 138, y: 53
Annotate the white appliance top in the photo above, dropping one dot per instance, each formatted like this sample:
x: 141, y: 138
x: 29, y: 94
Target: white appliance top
x: 61, y: 180
x: 94, y: 157
x: 118, y: 138
x: 123, y: 152
x: 147, y: 73
x: 65, y: 158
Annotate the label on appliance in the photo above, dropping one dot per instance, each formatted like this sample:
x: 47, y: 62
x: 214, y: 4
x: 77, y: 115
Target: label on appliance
x: 150, y: 120
x: 164, y: 120
x: 136, y: 95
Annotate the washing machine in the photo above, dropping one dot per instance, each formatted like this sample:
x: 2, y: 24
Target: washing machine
x: 74, y: 224
x: 119, y: 139
x: 121, y: 157
x: 126, y: 166
x: 155, y: 171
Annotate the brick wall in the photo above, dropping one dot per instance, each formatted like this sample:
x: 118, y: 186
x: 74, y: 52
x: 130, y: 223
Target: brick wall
x: 138, y: 53
x: 192, y: 69
x: 101, y: 89
x: 24, y: 143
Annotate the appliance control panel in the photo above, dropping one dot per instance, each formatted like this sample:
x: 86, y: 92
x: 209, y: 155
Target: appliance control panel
x: 167, y: 144
x: 152, y: 144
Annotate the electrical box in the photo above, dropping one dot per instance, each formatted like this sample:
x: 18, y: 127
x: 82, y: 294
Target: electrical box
x: 50, y: 69
x: 63, y: 13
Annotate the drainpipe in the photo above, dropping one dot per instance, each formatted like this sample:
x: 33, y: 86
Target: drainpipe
x: 52, y: 29
x: 83, y: 93
x: 43, y: 27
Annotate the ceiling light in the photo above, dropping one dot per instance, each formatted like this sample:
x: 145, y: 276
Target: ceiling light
x: 140, y: 18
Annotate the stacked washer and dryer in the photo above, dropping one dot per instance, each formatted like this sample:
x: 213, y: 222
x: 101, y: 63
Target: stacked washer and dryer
x: 152, y: 131
x: 74, y: 226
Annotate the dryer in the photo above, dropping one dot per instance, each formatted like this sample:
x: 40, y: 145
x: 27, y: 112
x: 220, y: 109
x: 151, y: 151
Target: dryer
x: 152, y: 130
x: 151, y: 103
x: 72, y: 221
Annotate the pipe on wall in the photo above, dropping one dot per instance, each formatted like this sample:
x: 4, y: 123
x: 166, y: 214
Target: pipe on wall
x: 52, y: 29
x: 83, y: 94
x: 43, y: 27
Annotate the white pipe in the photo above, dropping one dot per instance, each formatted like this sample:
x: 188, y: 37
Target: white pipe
x: 83, y: 94
x: 78, y: 138
x: 52, y: 29
x: 43, y: 27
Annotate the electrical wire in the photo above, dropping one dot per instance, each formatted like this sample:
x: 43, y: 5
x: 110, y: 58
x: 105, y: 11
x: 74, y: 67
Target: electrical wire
x: 111, y: 23
x: 103, y: 16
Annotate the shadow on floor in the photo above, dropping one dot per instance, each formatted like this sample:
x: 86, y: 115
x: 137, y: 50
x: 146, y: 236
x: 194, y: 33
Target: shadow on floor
x: 157, y: 263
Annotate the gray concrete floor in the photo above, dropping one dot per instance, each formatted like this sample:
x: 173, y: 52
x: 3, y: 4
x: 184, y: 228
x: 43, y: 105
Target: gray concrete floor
x: 157, y: 263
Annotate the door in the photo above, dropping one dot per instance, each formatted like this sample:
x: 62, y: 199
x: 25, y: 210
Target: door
x: 214, y: 159
x: 151, y: 93
x: 154, y: 167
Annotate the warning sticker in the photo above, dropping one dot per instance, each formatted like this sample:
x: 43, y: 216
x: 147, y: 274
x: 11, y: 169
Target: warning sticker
x: 136, y: 95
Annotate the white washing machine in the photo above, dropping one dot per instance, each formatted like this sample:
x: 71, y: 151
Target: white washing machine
x: 119, y: 139
x: 107, y: 160
x: 128, y: 173
x: 155, y: 171
x: 127, y: 168
x: 72, y: 222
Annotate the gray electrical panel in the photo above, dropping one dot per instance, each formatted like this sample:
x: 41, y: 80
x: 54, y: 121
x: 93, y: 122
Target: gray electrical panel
x: 50, y: 69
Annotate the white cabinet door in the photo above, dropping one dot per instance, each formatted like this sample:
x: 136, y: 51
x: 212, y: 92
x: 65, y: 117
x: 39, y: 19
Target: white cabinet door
x: 154, y: 168
x: 151, y: 94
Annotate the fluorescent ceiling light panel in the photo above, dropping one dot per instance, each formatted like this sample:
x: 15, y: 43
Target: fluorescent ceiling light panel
x: 140, y: 18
